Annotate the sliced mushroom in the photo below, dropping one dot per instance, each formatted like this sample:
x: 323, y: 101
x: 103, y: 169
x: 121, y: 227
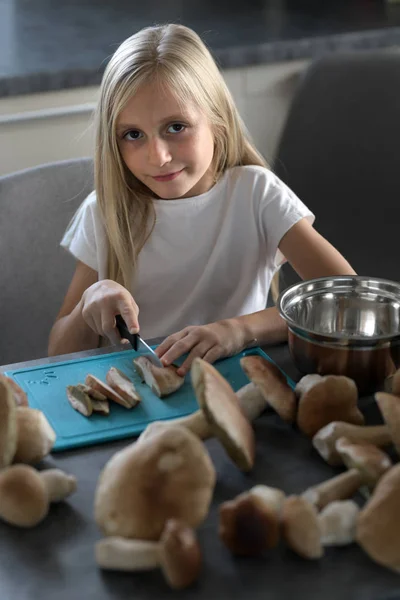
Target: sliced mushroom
x: 35, y: 436
x: 301, y: 527
x: 8, y: 424
x: 167, y: 476
x: 177, y: 553
x: 221, y: 408
x: 20, y: 397
x: 366, y: 465
x: 389, y: 405
x: 25, y: 494
x: 334, y: 398
x: 93, y: 394
x: 377, y: 528
x: 338, y: 523
x: 79, y: 400
x: 272, y: 384
x: 123, y: 386
x: 324, y: 441
x: 250, y: 523
x: 106, y: 390
x: 163, y: 381
x: 102, y: 407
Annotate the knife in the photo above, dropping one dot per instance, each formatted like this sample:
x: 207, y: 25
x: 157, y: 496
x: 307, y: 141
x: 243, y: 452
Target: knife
x: 136, y: 341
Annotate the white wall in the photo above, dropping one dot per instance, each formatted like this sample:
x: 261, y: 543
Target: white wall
x: 40, y: 128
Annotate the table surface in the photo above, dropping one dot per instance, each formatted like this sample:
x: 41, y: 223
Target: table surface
x: 55, y: 560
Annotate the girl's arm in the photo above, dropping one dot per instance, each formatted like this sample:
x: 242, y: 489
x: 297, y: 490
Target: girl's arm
x: 310, y: 254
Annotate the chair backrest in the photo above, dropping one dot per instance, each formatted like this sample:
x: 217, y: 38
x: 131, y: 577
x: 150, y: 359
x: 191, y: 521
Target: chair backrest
x: 339, y: 151
x: 36, y: 206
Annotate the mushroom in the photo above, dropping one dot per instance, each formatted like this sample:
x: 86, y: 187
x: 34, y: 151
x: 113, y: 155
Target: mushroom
x: 334, y: 398
x: 20, y: 397
x: 167, y: 476
x: 324, y: 441
x: 306, y: 383
x: 8, y: 424
x: 377, y: 527
x: 338, y: 522
x: 98, y: 385
x: 163, y: 381
x: 366, y: 465
x: 123, y: 386
x: 79, y: 400
x: 272, y: 384
x: 25, y: 494
x: 98, y: 400
x: 389, y: 405
x: 392, y: 383
x: 221, y: 408
x: 301, y: 527
x: 177, y: 553
x: 250, y: 523
x: 35, y: 436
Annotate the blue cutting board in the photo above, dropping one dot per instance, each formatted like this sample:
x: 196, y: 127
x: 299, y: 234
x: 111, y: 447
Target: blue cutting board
x: 46, y: 389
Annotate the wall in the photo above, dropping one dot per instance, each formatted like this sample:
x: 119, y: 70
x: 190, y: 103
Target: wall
x: 41, y: 128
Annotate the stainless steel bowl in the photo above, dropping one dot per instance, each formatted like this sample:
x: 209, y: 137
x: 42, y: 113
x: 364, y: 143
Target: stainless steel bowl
x: 344, y: 325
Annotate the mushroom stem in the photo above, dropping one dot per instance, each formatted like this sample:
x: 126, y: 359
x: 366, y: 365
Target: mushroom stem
x: 338, y: 522
x: 325, y: 439
x: 337, y: 488
x: 197, y: 424
x: 58, y: 484
x: 122, y: 554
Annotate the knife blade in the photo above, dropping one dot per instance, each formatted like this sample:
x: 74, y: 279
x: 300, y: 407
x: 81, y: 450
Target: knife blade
x: 137, y: 341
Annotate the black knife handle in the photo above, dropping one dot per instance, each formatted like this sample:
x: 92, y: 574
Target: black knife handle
x: 124, y: 332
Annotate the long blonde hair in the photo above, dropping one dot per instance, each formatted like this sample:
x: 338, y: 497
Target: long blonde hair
x: 175, y: 56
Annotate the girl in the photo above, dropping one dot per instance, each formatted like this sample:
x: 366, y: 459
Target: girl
x: 186, y: 222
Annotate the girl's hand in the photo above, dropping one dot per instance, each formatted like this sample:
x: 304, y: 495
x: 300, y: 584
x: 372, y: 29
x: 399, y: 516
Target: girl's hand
x: 102, y: 301
x: 210, y: 342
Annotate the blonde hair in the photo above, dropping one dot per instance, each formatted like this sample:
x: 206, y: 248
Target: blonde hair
x: 174, y: 56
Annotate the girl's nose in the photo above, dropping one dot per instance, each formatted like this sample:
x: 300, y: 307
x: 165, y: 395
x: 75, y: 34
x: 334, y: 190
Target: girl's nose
x: 159, y: 153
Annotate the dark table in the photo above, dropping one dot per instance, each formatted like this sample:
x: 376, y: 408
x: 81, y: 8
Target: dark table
x: 55, y: 561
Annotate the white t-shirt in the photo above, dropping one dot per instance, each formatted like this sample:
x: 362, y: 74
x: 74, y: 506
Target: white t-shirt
x: 209, y: 257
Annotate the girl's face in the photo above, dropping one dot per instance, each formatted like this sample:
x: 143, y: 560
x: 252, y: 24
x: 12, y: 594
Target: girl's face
x: 167, y: 148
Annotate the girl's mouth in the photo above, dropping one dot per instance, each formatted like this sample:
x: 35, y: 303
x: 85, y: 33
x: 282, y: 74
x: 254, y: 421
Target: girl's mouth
x: 168, y: 177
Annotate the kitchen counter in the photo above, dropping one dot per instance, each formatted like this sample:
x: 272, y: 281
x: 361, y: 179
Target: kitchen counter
x: 55, y: 561
x: 45, y: 45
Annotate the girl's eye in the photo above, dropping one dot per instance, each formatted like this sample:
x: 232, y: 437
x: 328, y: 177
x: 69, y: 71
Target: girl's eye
x: 176, y: 128
x: 132, y: 135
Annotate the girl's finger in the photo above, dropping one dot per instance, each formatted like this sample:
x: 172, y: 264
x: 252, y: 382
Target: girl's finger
x: 129, y: 312
x: 198, y: 351
x: 213, y: 354
x: 180, y: 347
x: 169, y: 342
x: 109, y: 329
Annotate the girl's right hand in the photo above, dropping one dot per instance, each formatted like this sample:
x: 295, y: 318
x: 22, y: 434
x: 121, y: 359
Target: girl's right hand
x: 102, y: 301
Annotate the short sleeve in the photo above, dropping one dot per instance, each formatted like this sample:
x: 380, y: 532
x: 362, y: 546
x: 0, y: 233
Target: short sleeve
x: 280, y: 209
x: 85, y: 234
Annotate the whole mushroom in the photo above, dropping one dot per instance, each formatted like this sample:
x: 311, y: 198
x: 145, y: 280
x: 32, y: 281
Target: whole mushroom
x: 35, y: 436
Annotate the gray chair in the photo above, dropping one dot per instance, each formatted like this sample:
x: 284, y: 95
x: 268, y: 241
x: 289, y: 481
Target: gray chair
x: 36, y: 206
x: 339, y: 151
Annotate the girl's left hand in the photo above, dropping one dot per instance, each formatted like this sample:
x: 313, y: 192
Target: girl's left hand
x: 210, y: 342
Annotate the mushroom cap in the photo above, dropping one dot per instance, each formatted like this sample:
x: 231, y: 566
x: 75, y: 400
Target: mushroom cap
x: 378, y: 527
x: 222, y: 410
x: 163, y: 381
x: 169, y: 475
x: 35, y: 436
x: 389, y: 405
x: 369, y: 460
x: 248, y: 526
x: 334, y: 398
x: 23, y: 498
x: 338, y: 521
x: 272, y: 384
x: 180, y: 554
x: 306, y: 383
x: 20, y: 397
x: 8, y: 424
x: 301, y: 527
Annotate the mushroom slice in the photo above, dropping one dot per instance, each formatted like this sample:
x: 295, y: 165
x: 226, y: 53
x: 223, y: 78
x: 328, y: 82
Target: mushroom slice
x: 79, y: 400
x: 106, y: 390
x: 8, y: 424
x: 102, y: 407
x: 177, y: 553
x: 35, y: 436
x: 163, y: 381
x: 20, y: 397
x: 94, y: 394
x: 221, y: 408
x: 378, y: 522
x: 272, y: 384
x: 301, y: 527
x: 123, y: 386
x: 169, y: 475
x: 334, y: 398
x: 389, y: 405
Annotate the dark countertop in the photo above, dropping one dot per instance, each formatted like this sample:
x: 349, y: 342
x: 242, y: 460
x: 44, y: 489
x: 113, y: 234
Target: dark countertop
x: 47, y: 45
x: 55, y: 560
